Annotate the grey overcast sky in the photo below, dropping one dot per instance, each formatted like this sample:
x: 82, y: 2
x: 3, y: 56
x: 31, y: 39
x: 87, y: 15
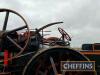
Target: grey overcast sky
x: 81, y: 17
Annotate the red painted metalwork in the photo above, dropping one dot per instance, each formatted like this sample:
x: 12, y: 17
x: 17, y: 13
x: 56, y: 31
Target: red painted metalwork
x: 6, y: 54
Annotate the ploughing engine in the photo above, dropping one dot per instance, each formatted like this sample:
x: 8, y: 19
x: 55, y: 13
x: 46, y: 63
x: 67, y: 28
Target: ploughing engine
x: 29, y: 53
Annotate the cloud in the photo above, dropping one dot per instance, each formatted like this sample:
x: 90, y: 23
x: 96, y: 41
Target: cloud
x: 81, y: 17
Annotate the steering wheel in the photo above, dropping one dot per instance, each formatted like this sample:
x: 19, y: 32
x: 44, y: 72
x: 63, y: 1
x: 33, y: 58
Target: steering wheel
x: 64, y: 34
x: 5, y: 33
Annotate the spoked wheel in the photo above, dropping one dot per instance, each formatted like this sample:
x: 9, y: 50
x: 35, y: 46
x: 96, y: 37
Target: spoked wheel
x: 9, y: 33
x: 48, y: 62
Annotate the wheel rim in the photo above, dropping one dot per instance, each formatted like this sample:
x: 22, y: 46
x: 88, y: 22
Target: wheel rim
x: 41, y: 65
x: 8, y: 11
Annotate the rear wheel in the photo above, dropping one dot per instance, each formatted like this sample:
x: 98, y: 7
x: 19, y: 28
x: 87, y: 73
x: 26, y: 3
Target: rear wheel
x: 48, y: 62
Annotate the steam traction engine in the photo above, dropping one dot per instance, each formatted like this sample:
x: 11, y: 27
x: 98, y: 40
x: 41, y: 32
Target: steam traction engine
x: 29, y: 53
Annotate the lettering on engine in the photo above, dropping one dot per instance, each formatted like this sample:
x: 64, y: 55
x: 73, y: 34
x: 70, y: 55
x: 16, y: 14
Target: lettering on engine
x: 77, y: 65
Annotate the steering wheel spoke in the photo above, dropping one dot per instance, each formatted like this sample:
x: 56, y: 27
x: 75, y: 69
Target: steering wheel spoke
x: 6, y: 20
x: 11, y: 40
x: 17, y: 29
